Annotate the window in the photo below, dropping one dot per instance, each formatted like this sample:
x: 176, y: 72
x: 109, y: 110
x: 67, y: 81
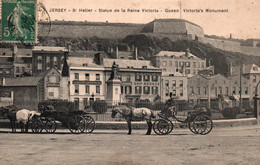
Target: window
x: 191, y: 89
x: 76, y: 89
x: 255, y: 68
x: 39, y: 66
x: 119, y: 77
x: 87, y: 89
x: 166, y: 83
x: 254, y: 78
x: 138, y: 90
x: 198, y: 90
x: 170, y: 63
x: 76, y: 76
x: 205, y: 90
x: 154, y: 78
x: 226, y: 90
x: 181, y: 93
x: 146, y: 78
x: 202, y: 65
x: 246, y: 90
x: 174, y: 93
x: 181, y: 83
x: 128, y: 77
x: 39, y: 59
x: 17, y: 70
x: 180, y: 63
x: 1, y: 70
x: 164, y: 63
x: 187, y: 71
x: 216, y: 91
x: 234, y: 90
x: 194, y: 64
x: 220, y: 90
x: 176, y: 64
x: 53, y: 92
x: 48, y: 65
x: 173, y: 83
x: 23, y: 69
x: 194, y: 71
x: 128, y: 90
x: 87, y: 76
x: 147, y: 90
x: 8, y: 70
x: 55, y: 61
x: 154, y: 90
x: 85, y: 102
x: 198, y: 63
x: 187, y: 64
x: 138, y: 77
x: 97, y: 77
x: 97, y: 89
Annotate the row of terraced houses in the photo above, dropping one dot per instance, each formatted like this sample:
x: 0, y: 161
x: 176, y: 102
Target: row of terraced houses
x: 43, y: 73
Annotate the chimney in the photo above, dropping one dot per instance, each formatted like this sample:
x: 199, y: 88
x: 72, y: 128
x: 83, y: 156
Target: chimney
x: 2, y: 82
x: 99, y: 59
x: 117, y: 56
x: 187, y: 53
x: 136, y: 54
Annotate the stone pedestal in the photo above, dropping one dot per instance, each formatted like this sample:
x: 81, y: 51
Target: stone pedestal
x: 113, y: 96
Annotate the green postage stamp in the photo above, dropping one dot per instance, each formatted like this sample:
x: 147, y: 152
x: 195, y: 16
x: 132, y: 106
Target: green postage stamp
x: 19, y: 21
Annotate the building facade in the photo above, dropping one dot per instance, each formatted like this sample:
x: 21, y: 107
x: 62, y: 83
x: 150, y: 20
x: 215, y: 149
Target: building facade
x: 182, y: 62
x: 174, y: 86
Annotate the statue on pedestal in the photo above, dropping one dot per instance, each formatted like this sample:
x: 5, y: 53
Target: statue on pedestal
x: 114, y: 74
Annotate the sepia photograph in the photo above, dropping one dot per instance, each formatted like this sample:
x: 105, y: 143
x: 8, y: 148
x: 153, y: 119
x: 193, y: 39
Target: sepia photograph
x: 134, y: 82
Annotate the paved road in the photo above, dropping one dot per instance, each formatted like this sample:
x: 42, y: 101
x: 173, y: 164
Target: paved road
x: 238, y: 145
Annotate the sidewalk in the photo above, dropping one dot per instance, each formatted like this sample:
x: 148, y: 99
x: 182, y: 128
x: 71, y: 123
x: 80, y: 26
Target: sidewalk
x: 119, y: 125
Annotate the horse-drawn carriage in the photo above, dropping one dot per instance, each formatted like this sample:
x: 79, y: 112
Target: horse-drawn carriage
x: 197, y: 121
x: 77, y: 121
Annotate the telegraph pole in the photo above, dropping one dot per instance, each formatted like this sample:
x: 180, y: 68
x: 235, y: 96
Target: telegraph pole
x: 240, y: 91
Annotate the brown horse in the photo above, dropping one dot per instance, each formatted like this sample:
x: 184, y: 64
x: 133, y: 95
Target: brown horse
x: 9, y: 112
x: 130, y: 113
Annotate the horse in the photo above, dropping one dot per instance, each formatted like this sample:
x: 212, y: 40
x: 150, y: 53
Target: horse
x: 139, y: 113
x: 23, y: 116
x: 9, y: 112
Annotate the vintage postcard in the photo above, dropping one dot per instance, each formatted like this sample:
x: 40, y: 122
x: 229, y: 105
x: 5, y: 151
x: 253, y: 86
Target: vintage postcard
x: 130, y: 82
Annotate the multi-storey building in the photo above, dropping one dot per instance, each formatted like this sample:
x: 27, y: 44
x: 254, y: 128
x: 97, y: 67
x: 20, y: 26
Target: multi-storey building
x: 182, y: 62
x: 6, y: 62
x: 45, y: 57
x: 175, y: 86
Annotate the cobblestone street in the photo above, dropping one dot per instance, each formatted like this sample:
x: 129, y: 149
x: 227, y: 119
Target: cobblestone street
x: 238, y: 145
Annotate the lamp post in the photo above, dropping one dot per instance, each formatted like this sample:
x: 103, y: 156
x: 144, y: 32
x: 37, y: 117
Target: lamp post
x: 256, y: 100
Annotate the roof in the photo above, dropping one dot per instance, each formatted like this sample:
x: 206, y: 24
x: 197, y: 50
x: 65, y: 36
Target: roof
x: 6, y: 52
x: 127, y: 63
x: 22, y: 81
x: 176, y: 54
x: 49, y: 48
x: 175, y: 20
x: 43, y: 74
x: 87, y: 53
x: 24, y: 52
x: 79, y: 62
x: 247, y: 69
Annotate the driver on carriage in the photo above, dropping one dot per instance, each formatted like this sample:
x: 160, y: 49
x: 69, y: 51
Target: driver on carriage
x: 166, y: 112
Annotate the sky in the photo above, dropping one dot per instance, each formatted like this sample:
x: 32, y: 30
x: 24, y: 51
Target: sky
x: 242, y: 18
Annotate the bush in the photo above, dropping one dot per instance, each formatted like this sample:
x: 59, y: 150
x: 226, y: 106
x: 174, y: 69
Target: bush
x: 143, y: 103
x: 100, y: 106
x: 59, y: 105
x: 158, y: 106
x: 230, y: 112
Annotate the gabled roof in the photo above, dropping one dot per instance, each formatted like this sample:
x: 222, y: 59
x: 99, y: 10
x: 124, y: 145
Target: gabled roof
x: 175, y: 54
x: 22, y: 81
x: 80, y: 62
x: 247, y: 69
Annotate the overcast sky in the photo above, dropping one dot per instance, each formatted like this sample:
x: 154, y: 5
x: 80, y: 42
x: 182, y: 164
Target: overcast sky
x: 242, y: 18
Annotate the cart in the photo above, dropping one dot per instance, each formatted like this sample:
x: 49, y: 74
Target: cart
x: 76, y: 121
x: 197, y: 121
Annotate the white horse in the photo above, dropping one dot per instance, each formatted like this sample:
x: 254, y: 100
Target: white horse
x: 23, y: 116
x: 130, y: 113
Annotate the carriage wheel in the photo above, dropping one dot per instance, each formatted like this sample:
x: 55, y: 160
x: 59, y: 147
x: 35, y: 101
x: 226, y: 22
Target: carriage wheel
x: 202, y: 124
x: 77, y: 124
x: 50, y: 125
x: 90, y: 124
x: 37, y: 126
x: 191, y: 128
x: 161, y: 127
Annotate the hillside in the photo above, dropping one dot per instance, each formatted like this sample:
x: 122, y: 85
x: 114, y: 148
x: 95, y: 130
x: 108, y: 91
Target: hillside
x: 148, y: 46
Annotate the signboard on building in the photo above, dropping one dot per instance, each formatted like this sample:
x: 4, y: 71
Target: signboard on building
x: 78, y: 82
